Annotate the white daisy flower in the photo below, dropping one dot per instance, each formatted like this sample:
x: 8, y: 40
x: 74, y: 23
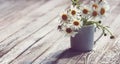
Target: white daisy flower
x: 99, y: 8
x: 105, y: 4
x: 103, y: 11
x: 95, y: 15
x: 102, y: 2
x: 64, y: 17
x: 94, y: 4
x: 73, y: 18
x: 68, y: 31
x: 76, y: 24
x: 73, y: 11
x: 85, y: 11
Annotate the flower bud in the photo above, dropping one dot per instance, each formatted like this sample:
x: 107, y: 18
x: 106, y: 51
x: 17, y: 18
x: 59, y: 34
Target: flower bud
x: 112, y: 37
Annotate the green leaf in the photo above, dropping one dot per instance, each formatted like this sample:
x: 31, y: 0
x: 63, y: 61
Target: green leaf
x: 107, y: 26
x: 75, y: 1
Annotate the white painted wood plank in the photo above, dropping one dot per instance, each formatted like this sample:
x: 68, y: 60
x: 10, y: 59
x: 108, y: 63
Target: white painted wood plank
x: 54, y: 51
x: 35, y: 26
x: 23, y: 44
x: 36, y: 50
x: 24, y: 33
x: 17, y: 15
x: 26, y: 20
x: 112, y: 55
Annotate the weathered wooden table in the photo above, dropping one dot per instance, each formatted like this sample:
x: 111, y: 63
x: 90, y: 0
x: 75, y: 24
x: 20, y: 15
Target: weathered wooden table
x: 28, y: 35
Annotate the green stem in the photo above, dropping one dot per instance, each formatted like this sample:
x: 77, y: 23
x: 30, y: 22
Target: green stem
x: 84, y: 21
x: 102, y: 27
x: 108, y: 31
x: 75, y: 2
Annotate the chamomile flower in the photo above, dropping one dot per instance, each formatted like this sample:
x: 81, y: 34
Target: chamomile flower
x: 102, y: 2
x: 78, y: 16
x: 94, y: 4
x: 64, y: 18
x: 99, y: 8
x: 94, y: 14
x: 85, y: 11
x: 76, y: 24
x: 68, y: 31
x: 73, y: 11
x: 103, y: 11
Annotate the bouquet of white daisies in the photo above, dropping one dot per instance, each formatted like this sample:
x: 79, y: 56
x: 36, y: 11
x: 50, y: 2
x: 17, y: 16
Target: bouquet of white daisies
x: 80, y: 14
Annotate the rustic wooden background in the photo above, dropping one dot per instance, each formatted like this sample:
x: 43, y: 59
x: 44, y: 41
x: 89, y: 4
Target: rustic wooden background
x: 28, y: 35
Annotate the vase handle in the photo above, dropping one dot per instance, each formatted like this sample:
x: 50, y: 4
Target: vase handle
x: 98, y: 38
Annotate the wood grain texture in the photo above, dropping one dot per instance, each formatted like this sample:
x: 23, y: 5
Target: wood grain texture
x: 28, y: 35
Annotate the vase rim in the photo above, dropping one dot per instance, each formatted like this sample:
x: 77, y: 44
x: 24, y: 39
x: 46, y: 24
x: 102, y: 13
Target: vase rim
x: 88, y: 25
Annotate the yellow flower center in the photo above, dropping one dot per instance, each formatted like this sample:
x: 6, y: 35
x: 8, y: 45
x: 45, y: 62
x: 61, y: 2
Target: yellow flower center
x: 73, y: 12
x: 102, y: 11
x: 100, y: 1
x: 68, y: 30
x: 76, y: 23
x: 95, y: 6
x: 94, y: 13
x: 64, y: 17
x: 85, y: 11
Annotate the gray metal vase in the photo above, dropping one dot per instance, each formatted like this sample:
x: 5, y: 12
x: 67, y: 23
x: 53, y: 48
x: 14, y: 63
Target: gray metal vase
x: 84, y: 40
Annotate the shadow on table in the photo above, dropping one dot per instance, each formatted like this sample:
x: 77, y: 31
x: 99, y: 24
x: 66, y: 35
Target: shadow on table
x: 61, y: 55
x: 68, y: 53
